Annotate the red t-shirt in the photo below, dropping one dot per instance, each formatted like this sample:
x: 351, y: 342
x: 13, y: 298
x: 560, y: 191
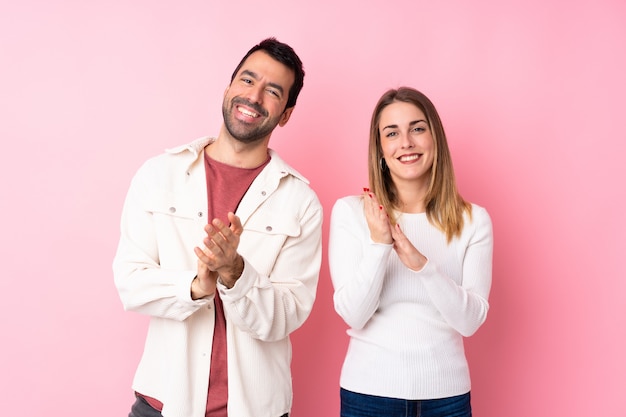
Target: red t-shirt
x: 226, y: 186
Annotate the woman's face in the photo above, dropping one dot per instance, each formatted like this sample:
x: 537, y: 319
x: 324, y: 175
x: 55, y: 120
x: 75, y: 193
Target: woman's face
x: 406, y: 142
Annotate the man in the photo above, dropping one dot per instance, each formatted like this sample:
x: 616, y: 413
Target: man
x: 223, y: 290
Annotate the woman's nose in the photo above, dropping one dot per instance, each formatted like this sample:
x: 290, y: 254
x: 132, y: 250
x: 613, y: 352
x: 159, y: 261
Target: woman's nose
x: 405, y: 141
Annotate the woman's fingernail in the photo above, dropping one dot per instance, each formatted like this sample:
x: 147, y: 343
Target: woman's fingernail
x: 365, y: 189
x: 380, y: 207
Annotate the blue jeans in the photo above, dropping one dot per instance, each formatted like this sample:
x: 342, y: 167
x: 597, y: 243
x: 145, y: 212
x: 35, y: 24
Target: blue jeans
x: 142, y: 409
x: 362, y: 405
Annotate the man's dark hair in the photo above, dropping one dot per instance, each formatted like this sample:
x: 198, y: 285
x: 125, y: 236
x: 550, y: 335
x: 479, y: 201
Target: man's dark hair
x: 284, y: 54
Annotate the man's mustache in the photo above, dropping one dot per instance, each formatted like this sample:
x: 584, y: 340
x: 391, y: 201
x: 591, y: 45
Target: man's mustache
x: 256, y: 107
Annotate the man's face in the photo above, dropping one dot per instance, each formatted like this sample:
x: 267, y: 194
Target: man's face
x: 254, y: 103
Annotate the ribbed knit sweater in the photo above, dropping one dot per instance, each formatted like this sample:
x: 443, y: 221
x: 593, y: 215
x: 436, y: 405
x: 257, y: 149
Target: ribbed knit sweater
x: 406, y: 327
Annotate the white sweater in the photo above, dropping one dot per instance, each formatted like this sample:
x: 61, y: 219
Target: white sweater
x: 407, y: 327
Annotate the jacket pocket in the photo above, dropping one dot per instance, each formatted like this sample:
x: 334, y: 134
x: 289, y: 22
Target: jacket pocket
x: 178, y: 205
x: 178, y: 225
x: 264, y: 238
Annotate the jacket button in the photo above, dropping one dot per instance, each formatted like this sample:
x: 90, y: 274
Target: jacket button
x: 268, y: 228
x: 199, y: 214
x: 172, y: 209
x: 263, y: 193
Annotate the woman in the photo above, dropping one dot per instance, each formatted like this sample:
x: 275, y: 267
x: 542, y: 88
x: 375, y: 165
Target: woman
x: 410, y: 262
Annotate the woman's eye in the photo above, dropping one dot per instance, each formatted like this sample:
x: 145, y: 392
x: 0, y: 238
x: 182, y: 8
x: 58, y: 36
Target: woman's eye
x: 391, y: 134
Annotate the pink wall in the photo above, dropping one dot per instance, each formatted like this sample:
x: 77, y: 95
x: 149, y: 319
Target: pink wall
x: 532, y: 95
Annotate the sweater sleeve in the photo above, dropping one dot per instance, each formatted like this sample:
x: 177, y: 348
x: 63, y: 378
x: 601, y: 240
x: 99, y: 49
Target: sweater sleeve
x: 357, y: 264
x: 465, y: 306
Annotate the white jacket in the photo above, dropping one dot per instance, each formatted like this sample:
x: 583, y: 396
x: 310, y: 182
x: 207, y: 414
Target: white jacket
x: 162, y: 221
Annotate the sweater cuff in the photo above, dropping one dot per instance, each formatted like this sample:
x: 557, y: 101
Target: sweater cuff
x: 426, y: 270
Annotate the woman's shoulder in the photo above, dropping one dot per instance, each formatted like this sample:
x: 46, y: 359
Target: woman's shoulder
x: 348, y: 205
x: 480, y: 217
x: 350, y: 201
x: 478, y: 210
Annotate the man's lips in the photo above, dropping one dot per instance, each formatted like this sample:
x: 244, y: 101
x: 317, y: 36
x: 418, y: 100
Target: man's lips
x: 247, y: 112
x: 249, y: 109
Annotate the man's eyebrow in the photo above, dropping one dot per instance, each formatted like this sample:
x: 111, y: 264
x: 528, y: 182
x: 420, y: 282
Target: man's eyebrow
x: 276, y: 86
x: 250, y: 74
x: 256, y: 77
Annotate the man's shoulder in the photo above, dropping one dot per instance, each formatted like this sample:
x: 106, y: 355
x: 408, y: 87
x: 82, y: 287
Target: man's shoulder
x: 194, y: 147
x: 291, y: 183
x: 160, y: 167
x: 187, y: 151
x: 297, y: 186
x: 280, y: 165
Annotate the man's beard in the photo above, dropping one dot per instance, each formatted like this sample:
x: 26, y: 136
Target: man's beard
x: 239, y: 130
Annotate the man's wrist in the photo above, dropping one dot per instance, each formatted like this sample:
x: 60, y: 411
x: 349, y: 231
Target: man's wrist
x: 198, y: 292
x: 230, y: 277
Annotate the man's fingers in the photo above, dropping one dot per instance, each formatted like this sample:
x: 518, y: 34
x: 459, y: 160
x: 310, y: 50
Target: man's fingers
x: 202, y: 256
x: 235, y: 224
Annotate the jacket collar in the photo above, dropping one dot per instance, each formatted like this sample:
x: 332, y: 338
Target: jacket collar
x: 196, y: 148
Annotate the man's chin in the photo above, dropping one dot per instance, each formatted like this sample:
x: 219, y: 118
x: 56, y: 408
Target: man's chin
x: 246, y: 137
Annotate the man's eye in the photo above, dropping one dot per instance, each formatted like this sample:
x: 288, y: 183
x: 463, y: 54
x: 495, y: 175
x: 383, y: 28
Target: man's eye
x: 273, y: 92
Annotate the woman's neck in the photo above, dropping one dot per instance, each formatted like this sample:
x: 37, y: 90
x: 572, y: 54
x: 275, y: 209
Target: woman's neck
x: 411, y: 197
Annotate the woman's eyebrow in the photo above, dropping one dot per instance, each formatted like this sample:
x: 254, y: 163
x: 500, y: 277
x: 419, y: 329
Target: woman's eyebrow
x: 413, y: 123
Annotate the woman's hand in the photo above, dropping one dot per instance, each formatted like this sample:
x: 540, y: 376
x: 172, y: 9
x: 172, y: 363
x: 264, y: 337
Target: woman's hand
x: 408, y: 254
x: 377, y: 218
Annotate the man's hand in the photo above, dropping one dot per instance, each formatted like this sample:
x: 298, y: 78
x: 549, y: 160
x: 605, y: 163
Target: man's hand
x: 219, y: 255
x: 204, y: 283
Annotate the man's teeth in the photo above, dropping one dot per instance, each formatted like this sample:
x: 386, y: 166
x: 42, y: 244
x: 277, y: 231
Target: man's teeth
x: 407, y: 158
x: 247, y: 112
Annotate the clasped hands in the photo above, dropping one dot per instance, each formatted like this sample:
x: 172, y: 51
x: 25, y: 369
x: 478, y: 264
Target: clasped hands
x: 382, y: 231
x: 218, y: 257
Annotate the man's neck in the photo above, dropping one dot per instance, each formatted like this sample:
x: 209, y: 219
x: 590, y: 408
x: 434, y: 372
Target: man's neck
x: 230, y: 151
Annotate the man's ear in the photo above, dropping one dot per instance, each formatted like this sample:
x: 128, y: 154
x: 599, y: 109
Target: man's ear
x: 284, y: 118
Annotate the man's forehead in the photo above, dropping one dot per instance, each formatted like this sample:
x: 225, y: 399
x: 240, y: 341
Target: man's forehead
x: 260, y: 63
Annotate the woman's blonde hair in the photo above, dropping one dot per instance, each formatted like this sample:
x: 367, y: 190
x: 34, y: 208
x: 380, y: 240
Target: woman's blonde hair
x: 444, y: 205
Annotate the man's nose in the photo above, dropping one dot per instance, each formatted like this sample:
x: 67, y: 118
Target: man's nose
x: 255, y: 94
